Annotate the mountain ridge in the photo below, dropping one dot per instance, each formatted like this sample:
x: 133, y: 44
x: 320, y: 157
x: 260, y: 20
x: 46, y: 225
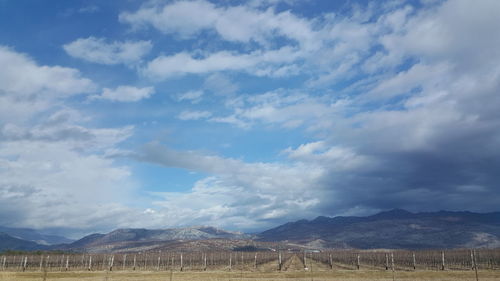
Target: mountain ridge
x: 140, y: 237
x: 396, y: 228
x: 34, y: 236
x: 8, y: 242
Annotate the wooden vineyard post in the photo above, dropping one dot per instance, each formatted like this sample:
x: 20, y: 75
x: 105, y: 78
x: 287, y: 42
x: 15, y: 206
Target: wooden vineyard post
x: 159, y: 259
x: 41, y: 262
x: 135, y: 259
x: 279, y: 261
x: 182, y: 265
x: 205, y: 262
x: 47, y: 262
x: 386, y: 261
x: 255, y: 261
x: 330, y: 261
x: 124, y: 261
x: 475, y: 263
x: 414, y: 262
x: 471, y: 259
x: 3, y: 263
x: 230, y: 261
x: 24, y: 263
x: 111, y: 262
x: 67, y: 263
x: 305, y: 263
x: 61, y: 263
x: 357, y: 262
x: 90, y: 263
x: 312, y: 273
x: 442, y: 260
x: 392, y: 265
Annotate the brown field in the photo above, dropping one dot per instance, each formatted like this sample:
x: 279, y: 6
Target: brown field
x: 361, y: 275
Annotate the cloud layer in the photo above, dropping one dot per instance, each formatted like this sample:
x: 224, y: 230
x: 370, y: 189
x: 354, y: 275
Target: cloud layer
x: 276, y: 112
x: 97, y: 50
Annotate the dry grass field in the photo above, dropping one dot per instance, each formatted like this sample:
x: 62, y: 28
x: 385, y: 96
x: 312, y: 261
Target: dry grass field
x: 361, y: 275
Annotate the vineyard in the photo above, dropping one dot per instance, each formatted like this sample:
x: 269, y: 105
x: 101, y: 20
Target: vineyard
x: 397, y: 260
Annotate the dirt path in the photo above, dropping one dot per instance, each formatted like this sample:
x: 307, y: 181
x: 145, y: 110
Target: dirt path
x: 294, y: 263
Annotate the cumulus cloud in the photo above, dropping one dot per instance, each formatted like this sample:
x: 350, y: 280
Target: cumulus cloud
x: 53, y: 168
x: 27, y: 88
x: 234, y: 23
x: 410, y: 120
x: 125, y: 94
x: 277, y: 44
x: 97, y: 50
x: 417, y: 130
x: 26, y: 78
x: 259, y: 187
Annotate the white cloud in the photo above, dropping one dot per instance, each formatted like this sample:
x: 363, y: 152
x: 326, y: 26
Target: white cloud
x: 423, y: 126
x: 54, y: 174
x: 89, y: 9
x: 194, y: 115
x: 259, y: 187
x: 183, y: 63
x: 27, y: 88
x: 25, y: 78
x: 53, y: 168
x: 97, y: 50
x: 220, y: 84
x: 193, y: 96
x: 183, y: 17
x: 233, y: 23
x: 125, y: 94
x: 327, y: 47
x: 416, y: 126
x: 243, y: 24
x: 287, y: 109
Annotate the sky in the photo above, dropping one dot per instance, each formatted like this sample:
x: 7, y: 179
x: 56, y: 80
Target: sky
x: 244, y: 115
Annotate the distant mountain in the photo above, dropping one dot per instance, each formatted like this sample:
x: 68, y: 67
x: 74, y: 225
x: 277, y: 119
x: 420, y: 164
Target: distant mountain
x: 393, y: 229
x: 34, y: 235
x: 139, y: 238
x: 8, y: 242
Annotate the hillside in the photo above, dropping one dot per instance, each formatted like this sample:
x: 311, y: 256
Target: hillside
x: 34, y: 235
x: 393, y: 229
x: 8, y: 242
x: 145, y: 239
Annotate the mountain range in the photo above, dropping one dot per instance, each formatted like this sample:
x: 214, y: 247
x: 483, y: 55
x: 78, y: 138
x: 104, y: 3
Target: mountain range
x: 139, y: 239
x: 34, y: 235
x: 391, y: 229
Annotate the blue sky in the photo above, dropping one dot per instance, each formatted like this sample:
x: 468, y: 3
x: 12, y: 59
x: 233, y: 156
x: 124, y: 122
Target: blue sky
x: 244, y: 114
